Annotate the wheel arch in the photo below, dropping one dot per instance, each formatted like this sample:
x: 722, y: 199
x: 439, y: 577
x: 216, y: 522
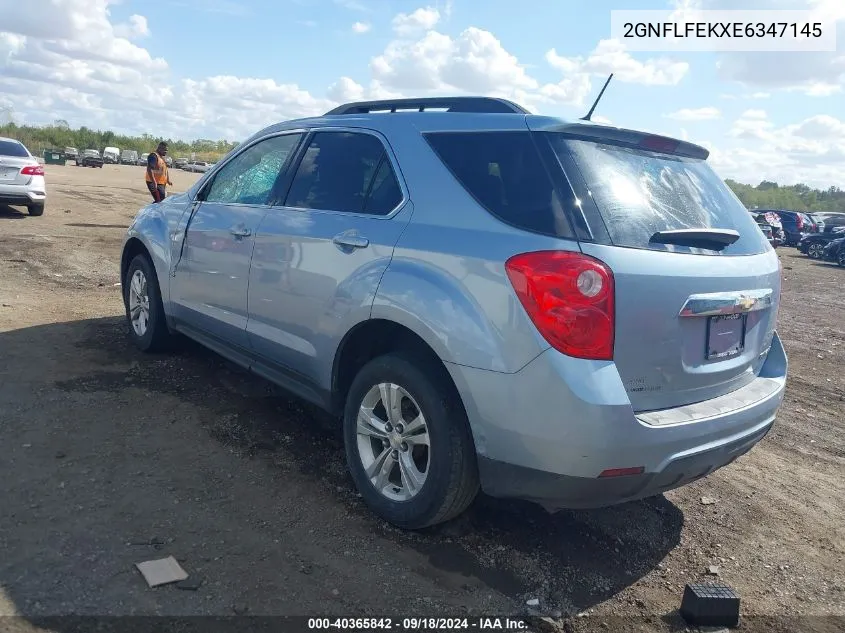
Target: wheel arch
x: 376, y: 337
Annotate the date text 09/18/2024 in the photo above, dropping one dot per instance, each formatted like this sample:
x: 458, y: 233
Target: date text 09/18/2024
x: 418, y: 624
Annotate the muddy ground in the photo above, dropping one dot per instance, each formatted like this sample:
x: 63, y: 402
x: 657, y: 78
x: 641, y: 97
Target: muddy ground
x: 109, y: 457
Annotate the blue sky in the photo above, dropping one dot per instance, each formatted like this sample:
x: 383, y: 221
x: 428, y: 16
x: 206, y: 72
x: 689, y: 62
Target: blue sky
x: 222, y: 69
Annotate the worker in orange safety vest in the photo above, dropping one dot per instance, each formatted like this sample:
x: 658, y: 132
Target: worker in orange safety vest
x: 157, y: 176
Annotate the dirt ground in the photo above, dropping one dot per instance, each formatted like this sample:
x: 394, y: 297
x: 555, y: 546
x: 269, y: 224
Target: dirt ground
x: 109, y: 457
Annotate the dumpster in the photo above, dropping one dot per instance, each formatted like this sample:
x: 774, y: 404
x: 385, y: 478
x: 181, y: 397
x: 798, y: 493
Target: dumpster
x: 54, y: 157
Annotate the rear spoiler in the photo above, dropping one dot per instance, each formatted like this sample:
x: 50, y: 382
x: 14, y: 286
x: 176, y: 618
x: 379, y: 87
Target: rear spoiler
x: 621, y: 136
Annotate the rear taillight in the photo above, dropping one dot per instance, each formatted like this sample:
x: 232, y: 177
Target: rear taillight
x: 569, y: 298
x: 33, y: 170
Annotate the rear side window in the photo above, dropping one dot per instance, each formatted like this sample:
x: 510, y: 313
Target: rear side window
x: 11, y: 148
x: 504, y: 172
x: 345, y: 171
x: 639, y: 193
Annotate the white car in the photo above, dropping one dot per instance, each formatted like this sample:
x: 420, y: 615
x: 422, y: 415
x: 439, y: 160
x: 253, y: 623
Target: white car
x: 197, y: 166
x: 21, y: 177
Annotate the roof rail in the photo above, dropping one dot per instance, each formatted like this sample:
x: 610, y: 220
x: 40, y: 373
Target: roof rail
x: 450, y: 104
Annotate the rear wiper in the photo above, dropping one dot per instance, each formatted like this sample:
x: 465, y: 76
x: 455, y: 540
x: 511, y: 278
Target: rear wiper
x: 711, y: 239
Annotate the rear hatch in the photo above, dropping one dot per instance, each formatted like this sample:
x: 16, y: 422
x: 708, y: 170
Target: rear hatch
x: 697, y: 284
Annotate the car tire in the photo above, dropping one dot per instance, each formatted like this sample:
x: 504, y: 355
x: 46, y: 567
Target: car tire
x: 840, y: 258
x: 36, y: 209
x: 814, y: 251
x: 423, y: 392
x: 148, y: 329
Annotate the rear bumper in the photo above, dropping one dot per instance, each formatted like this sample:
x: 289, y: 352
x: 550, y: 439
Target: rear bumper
x: 546, y: 433
x: 34, y: 193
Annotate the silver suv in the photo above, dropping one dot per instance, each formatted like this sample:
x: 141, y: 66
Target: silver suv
x: 563, y: 312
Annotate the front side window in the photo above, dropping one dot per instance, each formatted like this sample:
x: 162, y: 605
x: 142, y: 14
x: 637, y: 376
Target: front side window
x: 249, y: 177
x: 345, y: 171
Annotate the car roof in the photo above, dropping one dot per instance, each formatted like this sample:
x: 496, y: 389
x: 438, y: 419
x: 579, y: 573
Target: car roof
x: 463, y: 114
x: 10, y: 140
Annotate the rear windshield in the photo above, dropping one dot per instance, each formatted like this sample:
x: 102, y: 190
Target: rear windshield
x: 639, y: 193
x: 10, y: 148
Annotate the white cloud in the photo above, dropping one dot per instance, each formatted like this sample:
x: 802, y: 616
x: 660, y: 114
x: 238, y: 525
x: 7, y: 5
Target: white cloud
x: 695, y: 114
x: 421, y: 20
x: 816, y: 74
x: 473, y: 62
x: 754, y: 114
x: 345, y: 90
x: 361, y: 27
x: 610, y: 56
x: 811, y: 151
x: 136, y: 27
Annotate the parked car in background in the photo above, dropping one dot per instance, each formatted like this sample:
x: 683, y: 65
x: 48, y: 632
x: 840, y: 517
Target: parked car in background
x: 128, y: 157
x: 21, y: 177
x: 818, y: 223
x: 180, y: 163
x: 71, y: 153
x: 769, y: 223
x: 111, y: 155
x: 831, y: 218
x: 487, y: 333
x: 835, y: 252
x: 197, y: 166
x: 89, y: 158
x: 767, y: 231
x: 813, y: 244
x: 795, y: 224
x: 142, y: 159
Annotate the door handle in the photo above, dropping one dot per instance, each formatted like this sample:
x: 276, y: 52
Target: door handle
x: 346, y: 240
x: 240, y: 231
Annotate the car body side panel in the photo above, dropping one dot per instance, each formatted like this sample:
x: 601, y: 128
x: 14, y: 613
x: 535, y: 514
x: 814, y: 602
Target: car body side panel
x: 306, y: 293
x: 160, y: 228
x: 447, y: 280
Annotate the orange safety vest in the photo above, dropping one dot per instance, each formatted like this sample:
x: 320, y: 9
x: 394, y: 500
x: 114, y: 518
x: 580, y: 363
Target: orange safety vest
x: 159, y: 173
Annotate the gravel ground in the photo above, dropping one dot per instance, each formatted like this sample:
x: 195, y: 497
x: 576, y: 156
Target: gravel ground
x: 110, y: 458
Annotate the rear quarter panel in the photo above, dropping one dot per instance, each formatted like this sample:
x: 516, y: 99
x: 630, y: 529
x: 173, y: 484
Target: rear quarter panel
x: 447, y: 280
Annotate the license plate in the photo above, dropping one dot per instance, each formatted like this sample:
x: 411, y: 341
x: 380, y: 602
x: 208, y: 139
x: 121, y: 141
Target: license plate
x: 725, y: 336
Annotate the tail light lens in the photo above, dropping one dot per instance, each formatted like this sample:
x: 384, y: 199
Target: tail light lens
x: 570, y: 299
x: 33, y: 170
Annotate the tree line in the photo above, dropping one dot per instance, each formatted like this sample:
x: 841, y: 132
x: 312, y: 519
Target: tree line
x: 771, y: 195
x: 766, y: 195
x: 60, y: 135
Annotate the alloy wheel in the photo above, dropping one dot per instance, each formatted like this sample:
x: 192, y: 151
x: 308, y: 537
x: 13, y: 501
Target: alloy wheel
x: 393, y: 442
x: 139, y: 303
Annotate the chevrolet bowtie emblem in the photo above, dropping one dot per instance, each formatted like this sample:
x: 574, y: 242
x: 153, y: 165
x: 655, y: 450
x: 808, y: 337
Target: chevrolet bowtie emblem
x: 746, y: 303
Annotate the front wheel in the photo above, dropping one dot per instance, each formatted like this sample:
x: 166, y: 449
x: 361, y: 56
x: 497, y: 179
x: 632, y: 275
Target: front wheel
x: 144, y: 310
x: 408, y: 443
x: 814, y: 251
x: 840, y: 259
